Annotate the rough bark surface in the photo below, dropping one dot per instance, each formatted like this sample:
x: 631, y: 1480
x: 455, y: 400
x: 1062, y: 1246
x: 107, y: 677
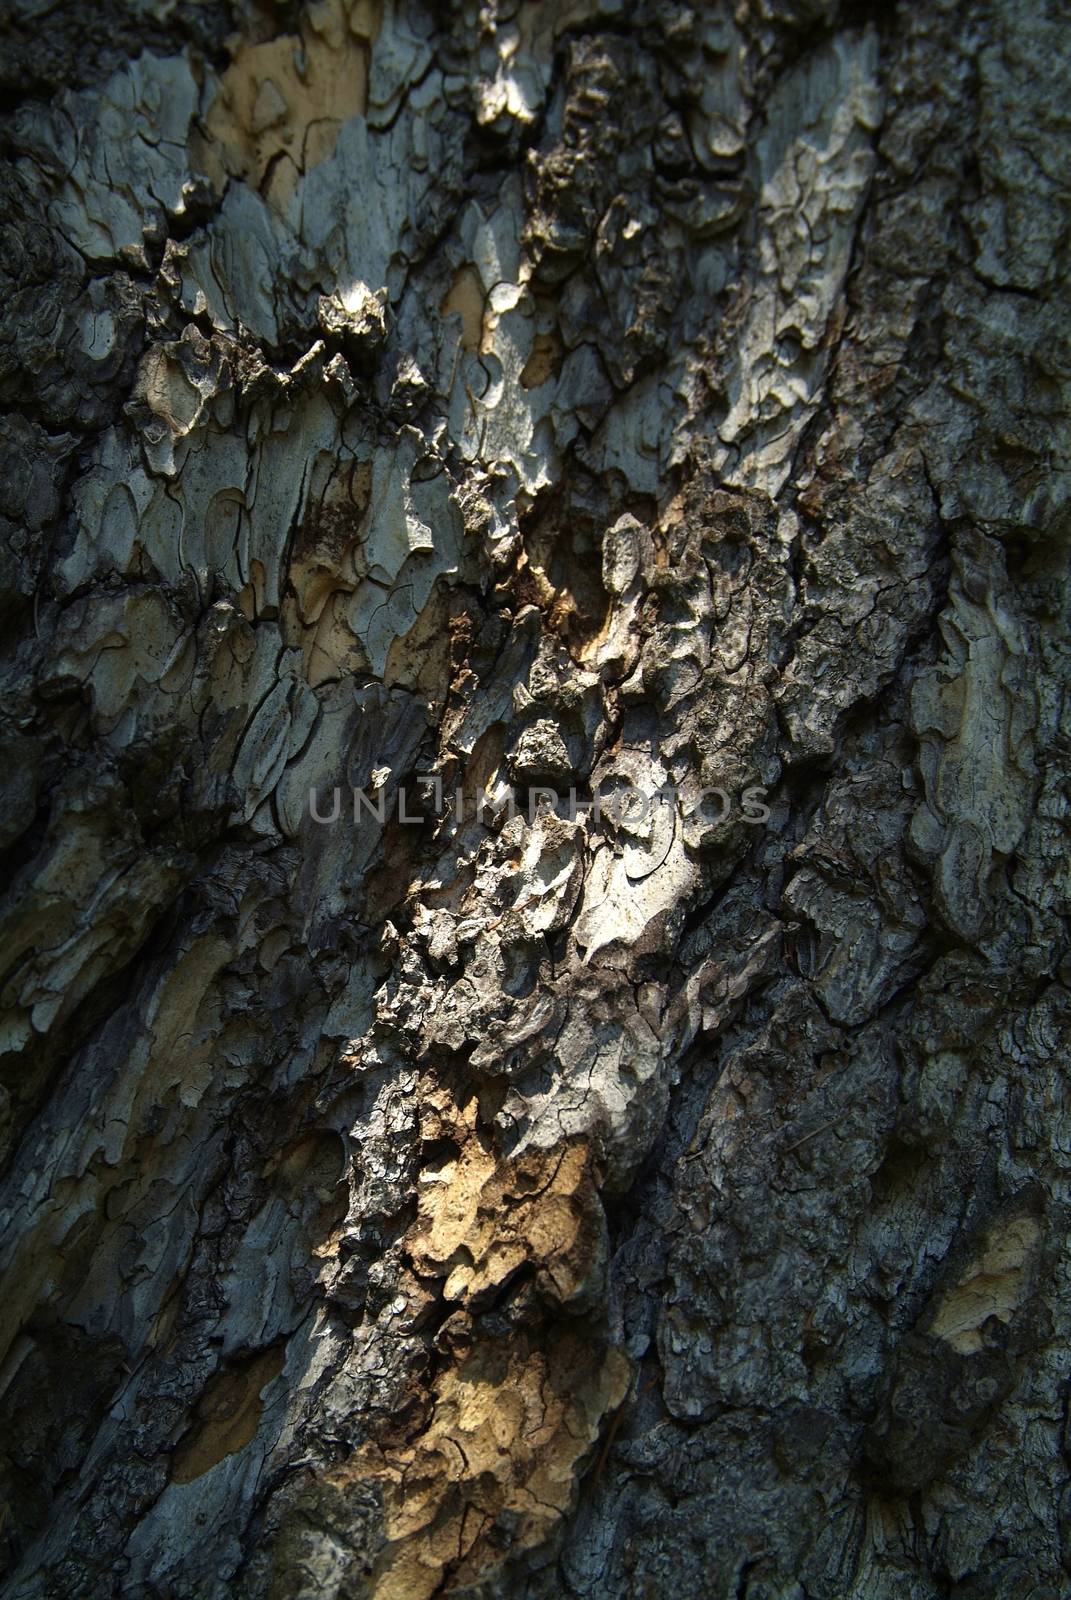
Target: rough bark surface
x: 537, y: 396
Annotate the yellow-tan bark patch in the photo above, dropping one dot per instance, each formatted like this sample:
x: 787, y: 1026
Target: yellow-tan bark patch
x: 485, y: 1458
x: 420, y: 659
x: 480, y: 1218
x: 508, y: 1429
x: 466, y: 298
x: 168, y: 392
x: 544, y: 362
x: 994, y: 1285
x: 226, y: 1416
x: 281, y: 103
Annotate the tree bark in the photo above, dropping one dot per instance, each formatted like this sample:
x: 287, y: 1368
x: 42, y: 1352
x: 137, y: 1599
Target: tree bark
x: 509, y: 1196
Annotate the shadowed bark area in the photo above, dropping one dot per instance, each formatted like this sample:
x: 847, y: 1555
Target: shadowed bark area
x: 415, y: 419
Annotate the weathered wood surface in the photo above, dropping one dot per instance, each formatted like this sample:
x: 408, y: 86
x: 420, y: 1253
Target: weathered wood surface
x: 544, y: 394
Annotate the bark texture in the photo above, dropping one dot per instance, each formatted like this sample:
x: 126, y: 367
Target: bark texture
x: 536, y: 395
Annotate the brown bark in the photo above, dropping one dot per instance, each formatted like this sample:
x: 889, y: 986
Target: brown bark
x: 534, y: 1202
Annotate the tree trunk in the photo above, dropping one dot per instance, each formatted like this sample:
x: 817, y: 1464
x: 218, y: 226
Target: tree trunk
x: 617, y: 456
